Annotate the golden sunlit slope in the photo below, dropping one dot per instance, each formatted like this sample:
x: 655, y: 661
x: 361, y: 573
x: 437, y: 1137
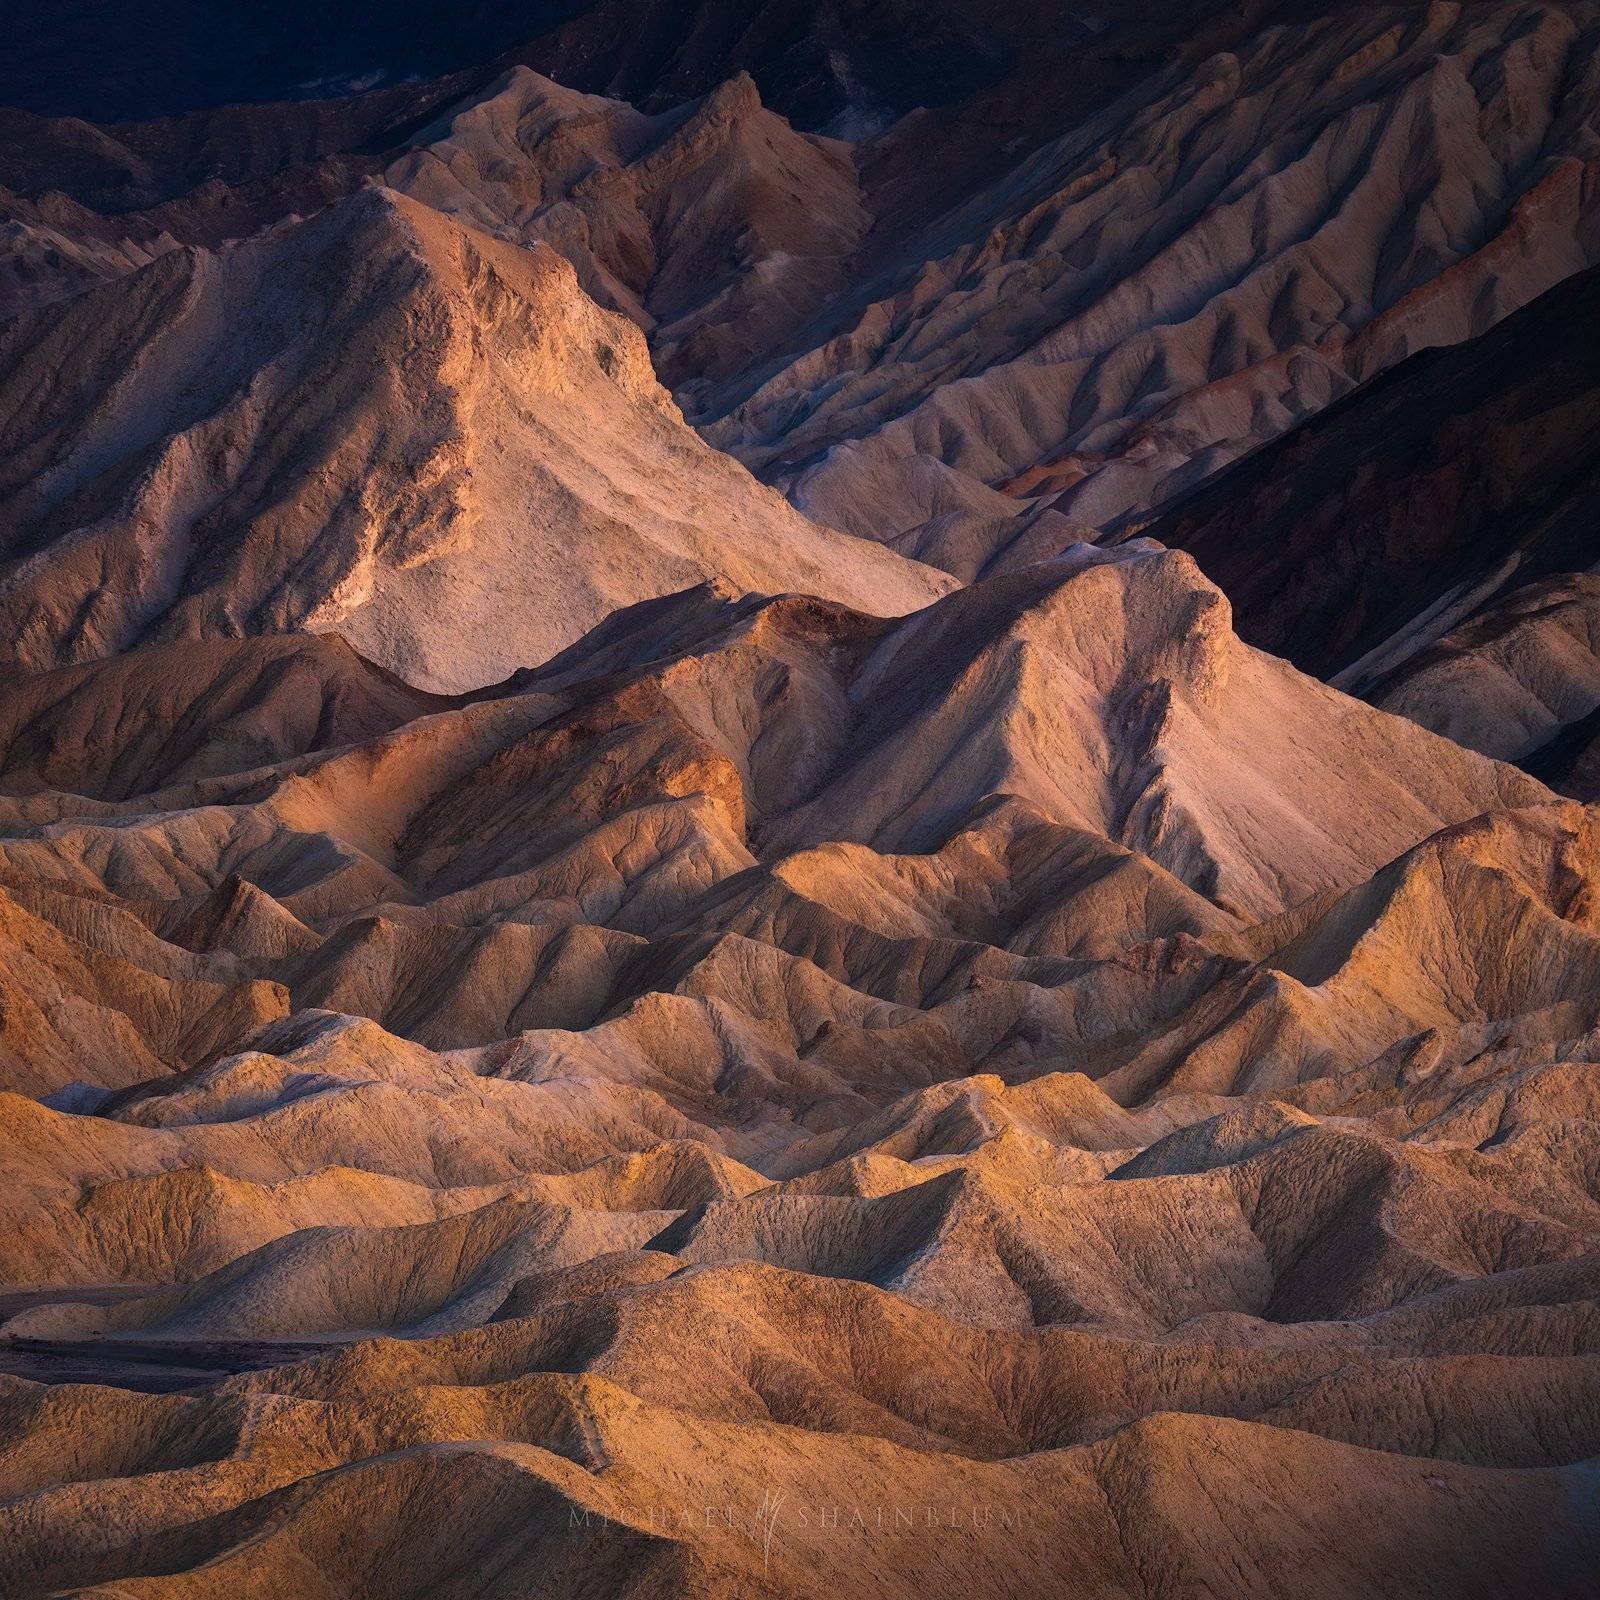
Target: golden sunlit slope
x: 375, y: 422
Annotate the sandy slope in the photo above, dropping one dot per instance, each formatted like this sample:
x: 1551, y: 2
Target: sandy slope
x: 669, y: 1051
x: 1450, y: 497
x: 1187, y: 274
x: 1041, y: 1055
x: 376, y: 422
x: 978, y: 332
x: 716, y: 227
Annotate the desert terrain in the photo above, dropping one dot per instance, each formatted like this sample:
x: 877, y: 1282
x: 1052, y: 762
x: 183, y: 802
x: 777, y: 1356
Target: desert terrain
x: 798, y: 801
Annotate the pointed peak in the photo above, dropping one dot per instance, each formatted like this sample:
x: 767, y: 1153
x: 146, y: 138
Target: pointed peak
x: 736, y: 96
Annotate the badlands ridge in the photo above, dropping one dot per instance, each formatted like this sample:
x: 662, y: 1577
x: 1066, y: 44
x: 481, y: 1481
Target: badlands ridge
x: 887, y: 994
x: 1042, y: 1051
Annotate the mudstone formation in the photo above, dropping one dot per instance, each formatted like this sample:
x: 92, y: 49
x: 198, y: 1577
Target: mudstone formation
x: 785, y: 819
